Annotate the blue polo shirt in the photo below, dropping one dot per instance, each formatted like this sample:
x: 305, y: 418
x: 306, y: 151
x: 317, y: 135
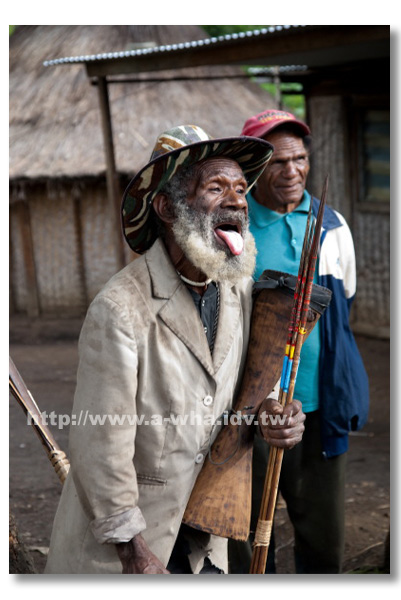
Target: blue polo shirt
x: 279, y: 238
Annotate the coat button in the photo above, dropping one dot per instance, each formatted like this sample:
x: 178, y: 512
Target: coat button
x: 199, y: 458
x: 207, y: 400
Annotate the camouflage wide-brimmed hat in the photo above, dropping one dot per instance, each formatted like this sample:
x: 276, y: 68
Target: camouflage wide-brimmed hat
x: 176, y: 149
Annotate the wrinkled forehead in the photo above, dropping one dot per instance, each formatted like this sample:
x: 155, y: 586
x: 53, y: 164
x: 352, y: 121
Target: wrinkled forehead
x: 284, y: 140
x: 218, y: 167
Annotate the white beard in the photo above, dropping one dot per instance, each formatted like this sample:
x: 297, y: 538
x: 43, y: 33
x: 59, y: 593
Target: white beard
x: 194, y: 233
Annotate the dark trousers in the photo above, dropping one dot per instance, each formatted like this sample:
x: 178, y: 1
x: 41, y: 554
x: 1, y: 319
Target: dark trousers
x: 179, y: 562
x: 313, y: 488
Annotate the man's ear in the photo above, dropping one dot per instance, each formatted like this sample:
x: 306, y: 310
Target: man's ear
x: 163, y: 208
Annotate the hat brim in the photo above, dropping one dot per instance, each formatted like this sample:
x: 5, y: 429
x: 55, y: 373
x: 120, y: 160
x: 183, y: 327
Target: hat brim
x: 252, y: 154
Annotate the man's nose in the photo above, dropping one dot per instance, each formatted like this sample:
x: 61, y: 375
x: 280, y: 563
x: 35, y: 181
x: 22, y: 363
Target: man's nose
x: 289, y: 168
x: 235, y: 201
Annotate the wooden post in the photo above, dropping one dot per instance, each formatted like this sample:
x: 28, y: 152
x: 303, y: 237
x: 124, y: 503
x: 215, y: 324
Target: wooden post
x: 11, y: 290
x: 113, y: 191
x: 76, y: 200
x: 277, y: 82
x: 24, y: 223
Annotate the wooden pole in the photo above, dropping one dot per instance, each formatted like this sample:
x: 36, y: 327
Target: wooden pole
x: 76, y: 203
x: 24, y: 223
x: 113, y: 191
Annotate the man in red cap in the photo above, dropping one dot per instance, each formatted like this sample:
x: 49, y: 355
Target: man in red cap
x: 331, y: 382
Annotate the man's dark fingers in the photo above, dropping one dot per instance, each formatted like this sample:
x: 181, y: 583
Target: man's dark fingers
x: 271, y: 406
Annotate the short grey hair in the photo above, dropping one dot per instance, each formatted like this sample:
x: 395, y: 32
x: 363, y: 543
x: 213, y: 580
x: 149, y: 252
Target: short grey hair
x: 176, y: 189
x: 178, y: 186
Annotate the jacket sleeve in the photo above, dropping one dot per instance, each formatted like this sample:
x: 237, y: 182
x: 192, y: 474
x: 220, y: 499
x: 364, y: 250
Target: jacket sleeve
x: 102, y: 441
x: 347, y: 258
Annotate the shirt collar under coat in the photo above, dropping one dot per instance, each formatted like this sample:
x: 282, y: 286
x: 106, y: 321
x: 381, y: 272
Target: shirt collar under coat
x: 180, y: 315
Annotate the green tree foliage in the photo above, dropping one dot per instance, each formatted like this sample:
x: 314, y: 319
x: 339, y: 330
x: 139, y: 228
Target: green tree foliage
x: 293, y: 102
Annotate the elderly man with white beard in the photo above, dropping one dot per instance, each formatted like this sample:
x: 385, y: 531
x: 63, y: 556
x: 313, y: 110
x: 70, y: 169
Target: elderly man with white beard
x: 162, y: 352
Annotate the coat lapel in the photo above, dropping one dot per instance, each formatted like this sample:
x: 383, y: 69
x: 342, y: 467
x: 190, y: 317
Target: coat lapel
x: 180, y: 315
x: 178, y: 312
x: 230, y: 311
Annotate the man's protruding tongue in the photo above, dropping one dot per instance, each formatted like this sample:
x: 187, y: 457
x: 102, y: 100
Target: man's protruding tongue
x: 232, y: 238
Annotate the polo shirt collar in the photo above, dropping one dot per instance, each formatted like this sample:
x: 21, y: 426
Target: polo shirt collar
x: 263, y: 216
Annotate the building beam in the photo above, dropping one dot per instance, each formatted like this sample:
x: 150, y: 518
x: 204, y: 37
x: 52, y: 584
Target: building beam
x: 113, y: 189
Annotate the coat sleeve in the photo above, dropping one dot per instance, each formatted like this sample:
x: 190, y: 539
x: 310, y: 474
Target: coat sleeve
x: 347, y: 258
x: 102, y: 441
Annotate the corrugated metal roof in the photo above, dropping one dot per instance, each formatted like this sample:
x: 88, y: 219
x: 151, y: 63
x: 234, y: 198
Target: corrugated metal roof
x: 257, y: 33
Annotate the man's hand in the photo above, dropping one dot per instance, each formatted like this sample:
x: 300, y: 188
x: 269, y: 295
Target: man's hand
x: 137, y: 559
x: 281, y: 427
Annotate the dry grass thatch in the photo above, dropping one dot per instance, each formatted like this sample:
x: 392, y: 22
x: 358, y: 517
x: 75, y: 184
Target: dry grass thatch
x: 55, y: 128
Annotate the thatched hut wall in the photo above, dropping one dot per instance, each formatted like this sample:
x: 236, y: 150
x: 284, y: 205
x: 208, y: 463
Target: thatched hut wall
x: 371, y: 314
x: 73, y: 249
x: 332, y: 142
x: 329, y: 154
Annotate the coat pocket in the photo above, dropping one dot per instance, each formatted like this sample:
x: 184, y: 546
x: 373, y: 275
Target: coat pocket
x: 149, y: 480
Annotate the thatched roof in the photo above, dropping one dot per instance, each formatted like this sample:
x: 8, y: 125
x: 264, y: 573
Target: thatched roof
x: 55, y: 127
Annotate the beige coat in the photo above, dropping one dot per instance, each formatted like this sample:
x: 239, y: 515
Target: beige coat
x: 143, y: 352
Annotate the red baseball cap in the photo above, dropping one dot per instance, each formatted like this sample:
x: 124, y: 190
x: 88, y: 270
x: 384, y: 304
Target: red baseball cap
x: 264, y: 122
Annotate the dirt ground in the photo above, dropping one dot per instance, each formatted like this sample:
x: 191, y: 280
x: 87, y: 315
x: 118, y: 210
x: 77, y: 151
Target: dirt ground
x: 45, y: 353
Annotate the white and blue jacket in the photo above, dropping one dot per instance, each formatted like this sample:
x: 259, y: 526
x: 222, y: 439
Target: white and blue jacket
x: 344, y: 387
